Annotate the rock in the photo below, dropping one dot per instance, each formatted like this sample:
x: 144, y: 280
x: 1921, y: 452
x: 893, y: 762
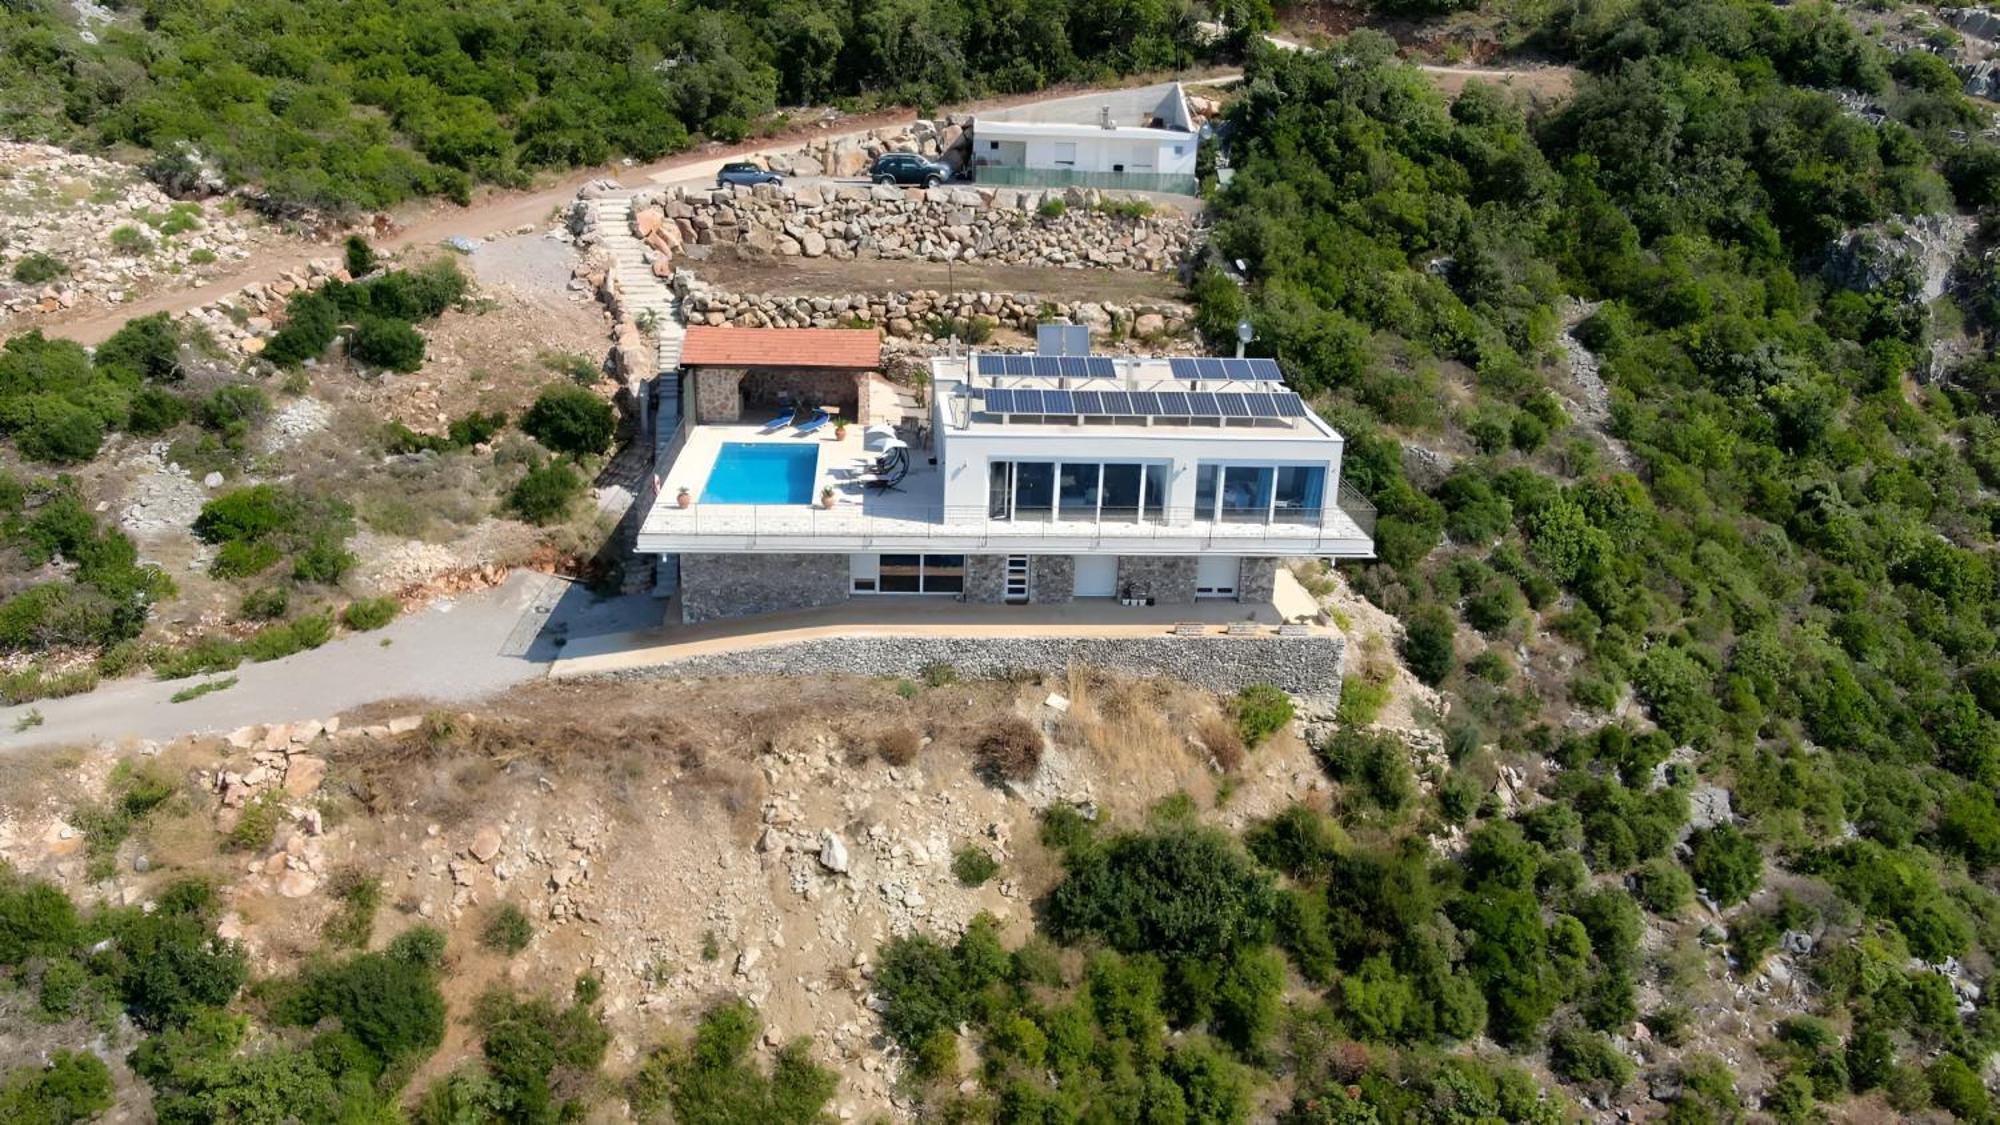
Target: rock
x: 303, y: 775
x: 1149, y: 325
x: 813, y: 244
x: 833, y: 853
x: 230, y: 928
x: 297, y: 884
x: 485, y: 843
x: 404, y: 724
x: 747, y: 960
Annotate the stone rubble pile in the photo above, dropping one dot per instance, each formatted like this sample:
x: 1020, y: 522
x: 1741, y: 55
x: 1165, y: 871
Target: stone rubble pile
x: 66, y: 205
x: 248, y: 318
x: 946, y: 140
x: 1017, y: 226
x: 913, y: 314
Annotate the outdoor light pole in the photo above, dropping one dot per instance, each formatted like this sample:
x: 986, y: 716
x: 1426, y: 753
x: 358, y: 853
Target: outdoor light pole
x: 1244, y: 334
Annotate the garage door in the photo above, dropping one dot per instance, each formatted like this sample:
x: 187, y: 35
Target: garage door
x: 1096, y: 576
x: 1215, y: 576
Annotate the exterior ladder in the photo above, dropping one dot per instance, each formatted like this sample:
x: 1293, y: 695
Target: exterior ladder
x: 1017, y: 578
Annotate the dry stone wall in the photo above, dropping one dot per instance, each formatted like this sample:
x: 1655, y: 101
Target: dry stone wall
x: 988, y: 224
x: 910, y: 314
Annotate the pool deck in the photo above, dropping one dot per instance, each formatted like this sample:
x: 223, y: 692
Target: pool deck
x: 696, y: 459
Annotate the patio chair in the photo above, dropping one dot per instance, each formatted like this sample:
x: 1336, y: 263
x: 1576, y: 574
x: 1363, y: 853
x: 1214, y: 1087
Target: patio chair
x: 813, y: 425
x: 781, y: 421
x: 890, y: 480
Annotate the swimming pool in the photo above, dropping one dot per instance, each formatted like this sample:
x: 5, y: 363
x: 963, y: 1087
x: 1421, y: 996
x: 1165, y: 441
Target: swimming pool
x: 762, y: 473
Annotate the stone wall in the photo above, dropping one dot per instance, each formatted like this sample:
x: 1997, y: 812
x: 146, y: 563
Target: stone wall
x: 1257, y: 579
x: 1051, y: 579
x: 844, y: 391
x: 986, y: 578
x: 1167, y: 579
x: 1308, y: 667
x: 735, y: 585
x: 1021, y: 226
x: 910, y: 314
x: 718, y: 394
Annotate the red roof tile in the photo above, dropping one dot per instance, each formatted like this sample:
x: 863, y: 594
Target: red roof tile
x: 781, y: 347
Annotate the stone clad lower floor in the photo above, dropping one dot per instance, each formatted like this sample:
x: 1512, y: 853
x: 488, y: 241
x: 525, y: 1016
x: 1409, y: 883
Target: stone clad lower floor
x: 715, y: 586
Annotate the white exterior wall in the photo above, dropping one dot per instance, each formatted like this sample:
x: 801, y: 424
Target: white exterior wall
x: 1102, y: 152
x: 964, y: 458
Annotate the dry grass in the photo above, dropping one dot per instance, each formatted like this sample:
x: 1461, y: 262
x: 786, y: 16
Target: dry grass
x: 1220, y: 738
x: 898, y: 746
x: 1011, y: 749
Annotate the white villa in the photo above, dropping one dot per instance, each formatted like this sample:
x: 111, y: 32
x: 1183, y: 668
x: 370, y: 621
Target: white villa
x: 1143, y: 139
x: 1018, y: 479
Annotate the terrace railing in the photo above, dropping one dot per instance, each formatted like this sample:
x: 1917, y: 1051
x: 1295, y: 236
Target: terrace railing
x: 1016, y: 176
x: 1358, y: 509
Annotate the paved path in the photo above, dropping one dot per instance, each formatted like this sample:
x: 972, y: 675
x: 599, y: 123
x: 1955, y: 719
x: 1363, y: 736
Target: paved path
x: 455, y: 650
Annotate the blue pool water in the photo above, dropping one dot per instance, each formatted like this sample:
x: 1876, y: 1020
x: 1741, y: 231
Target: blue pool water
x: 762, y: 473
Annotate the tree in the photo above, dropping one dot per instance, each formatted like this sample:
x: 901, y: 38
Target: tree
x: 1428, y: 634
x: 570, y: 420
x: 1725, y: 863
x: 1181, y: 890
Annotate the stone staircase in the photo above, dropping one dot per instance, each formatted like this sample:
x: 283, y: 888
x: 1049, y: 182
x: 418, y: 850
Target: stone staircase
x: 641, y: 293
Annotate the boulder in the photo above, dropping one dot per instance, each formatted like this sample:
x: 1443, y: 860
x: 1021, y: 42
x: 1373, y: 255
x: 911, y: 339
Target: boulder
x: 303, y: 775
x: 297, y: 884
x: 485, y: 843
x: 833, y: 853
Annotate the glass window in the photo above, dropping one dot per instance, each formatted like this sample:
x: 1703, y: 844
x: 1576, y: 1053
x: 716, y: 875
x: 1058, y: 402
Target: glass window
x: 1077, y: 489
x: 1300, y: 493
x: 999, y: 481
x: 902, y: 574
x: 1246, y: 492
x: 1121, y: 492
x: 1034, y: 490
x: 944, y: 574
x: 1204, y: 492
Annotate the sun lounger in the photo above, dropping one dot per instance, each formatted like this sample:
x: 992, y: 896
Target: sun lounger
x: 781, y: 421
x: 812, y: 425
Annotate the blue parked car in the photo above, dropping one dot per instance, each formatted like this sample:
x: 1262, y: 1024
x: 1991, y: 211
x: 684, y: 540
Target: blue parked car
x: 747, y: 174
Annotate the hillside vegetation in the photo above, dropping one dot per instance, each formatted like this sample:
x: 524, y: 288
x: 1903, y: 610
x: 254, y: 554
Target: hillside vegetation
x: 364, y: 103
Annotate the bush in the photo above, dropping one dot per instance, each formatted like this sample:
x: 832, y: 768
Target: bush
x: 1662, y: 887
x: 1052, y: 208
x: 243, y: 558
x: 360, y: 896
x: 257, y: 826
x: 387, y: 343
x: 546, y: 494
x: 267, y: 603
x: 323, y: 561
x: 391, y: 1006
x: 369, y: 613
x: 1261, y: 711
x: 570, y: 420
x: 74, y: 1086
x: 156, y: 411
x: 1588, y: 1058
x: 359, y: 256
x: 973, y: 865
x: 899, y: 746
x: 1725, y: 864
x: 1182, y: 890
x: 55, y: 430
x: 1010, y: 750
x: 276, y: 642
x: 534, y: 1049
x: 38, y: 268
x: 712, y: 1081
x: 506, y: 930
x: 243, y: 514
x: 130, y: 240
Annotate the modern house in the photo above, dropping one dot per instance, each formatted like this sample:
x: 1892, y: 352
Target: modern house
x: 1023, y: 479
x: 1143, y: 139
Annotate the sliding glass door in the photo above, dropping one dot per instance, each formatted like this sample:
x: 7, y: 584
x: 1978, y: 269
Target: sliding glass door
x: 1076, y: 491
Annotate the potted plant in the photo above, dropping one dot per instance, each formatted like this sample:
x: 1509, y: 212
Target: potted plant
x: 840, y: 429
x: 826, y: 497
x: 684, y: 497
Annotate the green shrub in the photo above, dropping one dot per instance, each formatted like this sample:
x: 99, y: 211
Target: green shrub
x: 546, y: 494
x: 391, y: 1006
x: 359, y: 896
x: 156, y: 410
x: 323, y: 561
x: 193, y: 658
x: 1725, y: 864
x: 257, y: 826
x: 712, y: 1080
x: 973, y: 865
x: 244, y: 558
x: 570, y: 420
x: 275, y: 642
x: 369, y: 613
x: 147, y: 346
x: 74, y: 1086
x: 130, y: 240
x: 1261, y: 711
x: 266, y: 603
x: 387, y: 343
x: 1588, y: 1058
x: 38, y: 268
x: 506, y: 930
x: 47, y: 428
x: 1181, y: 890
x: 1662, y: 887
x: 243, y: 514
x: 1065, y: 828
x: 358, y: 256
x: 1052, y: 208
x: 534, y: 1049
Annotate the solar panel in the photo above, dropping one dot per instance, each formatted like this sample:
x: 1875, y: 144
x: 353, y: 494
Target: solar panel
x: 991, y: 364
x: 1100, y: 367
x: 1019, y: 364
x: 1062, y: 339
x: 1212, y: 369
x: 1262, y: 406
x: 1183, y: 368
x: 1058, y: 402
x: 1074, y: 367
x: 1202, y: 405
x: 1290, y: 406
x: 1173, y: 404
x: 1265, y: 370
x: 1231, y: 405
x: 1145, y: 402
x: 1088, y: 402
x: 999, y: 401
x: 1117, y: 404
x: 1027, y: 401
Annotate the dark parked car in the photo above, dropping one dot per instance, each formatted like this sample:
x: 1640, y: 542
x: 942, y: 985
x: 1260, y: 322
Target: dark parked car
x: 907, y: 168
x: 746, y: 174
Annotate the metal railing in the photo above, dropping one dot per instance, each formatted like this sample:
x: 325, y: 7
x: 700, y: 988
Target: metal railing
x: 1010, y: 175
x: 1296, y: 530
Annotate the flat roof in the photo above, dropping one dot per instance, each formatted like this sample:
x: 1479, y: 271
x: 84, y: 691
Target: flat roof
x: 1002, y: 130
x: 781, y: 347
x: 1164, y: 102
x: 1177, y: 397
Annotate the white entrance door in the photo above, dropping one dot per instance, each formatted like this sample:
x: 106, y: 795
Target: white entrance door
x: 1215, y: 576
x: 1096, y: 576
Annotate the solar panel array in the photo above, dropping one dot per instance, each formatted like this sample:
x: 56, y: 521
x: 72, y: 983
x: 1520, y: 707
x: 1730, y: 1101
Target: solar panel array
x: 1230, y: 370
x: 1146, y: 404
x: 1048, y: 366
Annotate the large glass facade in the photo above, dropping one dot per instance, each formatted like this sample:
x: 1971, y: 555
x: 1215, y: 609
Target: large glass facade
x: 1259, y: 493
x: 1079, y: 491
x: 921, y: 574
